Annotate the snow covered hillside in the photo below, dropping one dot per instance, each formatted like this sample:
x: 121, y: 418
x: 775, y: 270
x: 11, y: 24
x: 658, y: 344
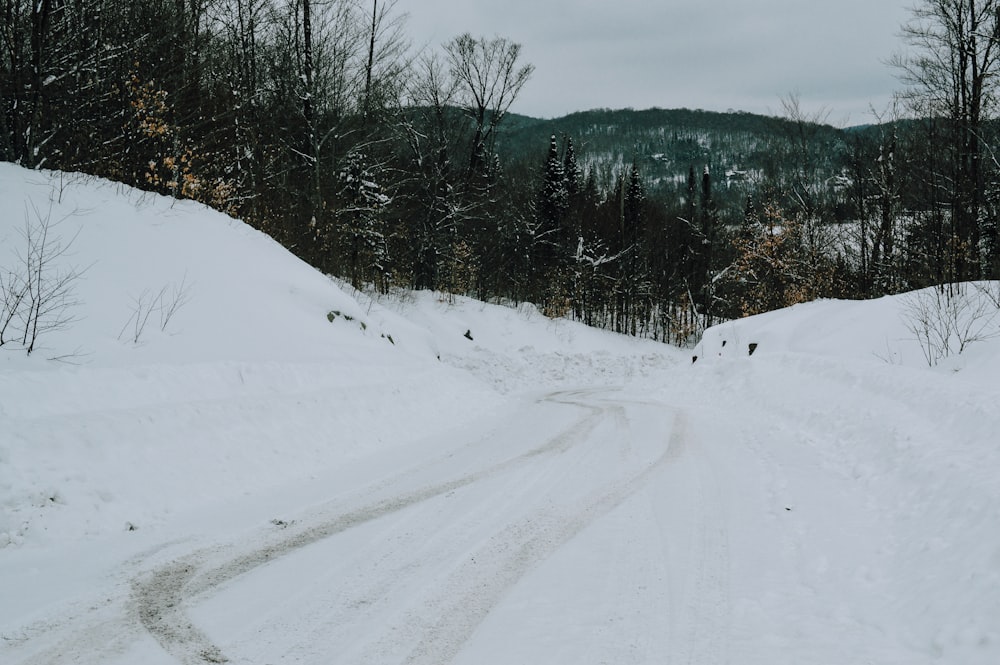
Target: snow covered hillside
x: 214, y: 453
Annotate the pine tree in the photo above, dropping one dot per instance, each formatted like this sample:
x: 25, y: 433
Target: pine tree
x: 691, y: 199
x: 574, y: 177
x: 361, y: 222
x: 576, y: 202
x: 633, y: 272
x: 553, y: 200
x: 635, y: 196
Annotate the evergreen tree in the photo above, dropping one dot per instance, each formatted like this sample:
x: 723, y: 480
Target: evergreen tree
x: 635, y: 196
x: 574, y: 177
x: 360, y: 223
x: 633, y: 272
x: 576, y: 201
x: 553, y: 200
x: 691, y: 200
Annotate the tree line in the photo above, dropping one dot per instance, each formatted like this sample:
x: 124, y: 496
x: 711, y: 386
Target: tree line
x: 316, y: 122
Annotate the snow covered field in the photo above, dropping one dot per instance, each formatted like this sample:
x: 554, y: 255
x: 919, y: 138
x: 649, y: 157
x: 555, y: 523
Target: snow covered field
x: 285, y: 471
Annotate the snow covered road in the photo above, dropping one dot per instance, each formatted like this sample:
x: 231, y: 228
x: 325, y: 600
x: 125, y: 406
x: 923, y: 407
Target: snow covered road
x: 725, y: 517
x: 438, y: 547
x: 721, y: 519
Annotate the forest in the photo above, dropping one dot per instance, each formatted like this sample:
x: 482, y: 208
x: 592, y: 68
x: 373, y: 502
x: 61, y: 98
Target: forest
x: 392, y: 167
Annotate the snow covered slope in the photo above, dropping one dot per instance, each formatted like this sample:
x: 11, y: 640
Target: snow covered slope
x: 134, y: 424
x: 290, y: 471
x: 881, y: 478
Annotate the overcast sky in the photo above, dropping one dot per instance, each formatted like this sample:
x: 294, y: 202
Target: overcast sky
x: 711, y: 54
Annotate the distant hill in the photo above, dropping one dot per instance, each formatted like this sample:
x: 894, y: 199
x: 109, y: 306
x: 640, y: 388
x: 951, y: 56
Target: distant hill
x: 737, y: 147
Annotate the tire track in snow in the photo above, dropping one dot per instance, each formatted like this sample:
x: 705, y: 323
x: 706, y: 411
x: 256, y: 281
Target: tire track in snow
x: 708, y: 621
x: 158, y: 600
x: 154, y: 603
x: 690, y: 504
x: 161, y: 596
x: 472, y: 591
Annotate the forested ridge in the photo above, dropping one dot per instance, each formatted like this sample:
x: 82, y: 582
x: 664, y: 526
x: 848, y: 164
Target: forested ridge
x: 317, y: 123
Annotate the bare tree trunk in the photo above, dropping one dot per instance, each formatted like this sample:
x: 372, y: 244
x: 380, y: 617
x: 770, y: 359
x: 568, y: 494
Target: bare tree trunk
x: 307, y: 69
x: 371, y: 62
x: 41, y: 13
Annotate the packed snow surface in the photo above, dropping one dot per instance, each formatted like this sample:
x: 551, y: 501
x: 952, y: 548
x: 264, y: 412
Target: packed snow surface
x: 284, y: 470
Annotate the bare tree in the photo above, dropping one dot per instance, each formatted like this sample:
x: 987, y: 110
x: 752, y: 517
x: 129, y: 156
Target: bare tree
x: 952, y: 73
x: 491, y: 80
x: 815, y: 240
x: 13, y: 289
x: 165, y: 304
x: 888, y: 203
x: 428, y: 135
x: 803, y: 128
x: 877, y: 190
x: 36, y: 295
x: 386, y: 61
x: 946, y: 319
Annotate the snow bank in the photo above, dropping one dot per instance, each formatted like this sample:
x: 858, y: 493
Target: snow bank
x: 266, y: 373
x: 888, y: 468
x: 889, y: 330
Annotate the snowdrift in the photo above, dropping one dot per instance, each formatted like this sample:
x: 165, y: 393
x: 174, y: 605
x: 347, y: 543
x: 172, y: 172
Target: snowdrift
x: 253, y: 381
x: 882, y: 472
x: 955, y: 331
